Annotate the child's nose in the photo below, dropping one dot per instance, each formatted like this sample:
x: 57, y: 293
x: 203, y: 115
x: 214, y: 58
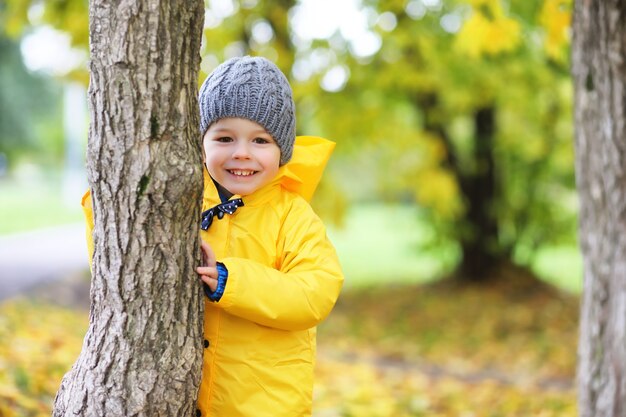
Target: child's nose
x: 242, y: 150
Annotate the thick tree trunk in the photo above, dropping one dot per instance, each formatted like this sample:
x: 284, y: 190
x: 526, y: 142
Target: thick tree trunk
x: 599, y: 69
x: 143, y: 350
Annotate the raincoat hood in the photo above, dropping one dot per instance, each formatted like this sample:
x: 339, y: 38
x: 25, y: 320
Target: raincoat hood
x: 303, y: 173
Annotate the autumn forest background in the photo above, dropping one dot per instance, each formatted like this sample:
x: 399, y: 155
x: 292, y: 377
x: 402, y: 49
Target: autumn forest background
x: 451, y: 196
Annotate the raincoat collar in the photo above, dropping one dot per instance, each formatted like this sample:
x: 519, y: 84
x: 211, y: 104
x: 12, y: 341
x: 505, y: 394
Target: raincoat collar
x: 301, y: 175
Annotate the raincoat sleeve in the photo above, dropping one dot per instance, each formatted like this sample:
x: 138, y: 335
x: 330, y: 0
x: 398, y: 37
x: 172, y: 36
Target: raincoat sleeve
x: 299, y: 295
x: 88, y: 211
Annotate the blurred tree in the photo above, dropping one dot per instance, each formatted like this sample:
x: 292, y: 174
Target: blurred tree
x: 143, y: 350
x: 463, y: 107
x: 598, y: 56
x: 27, y: 103
x: 71, y: 16
x: 249, y: 27
x: 469, y: 102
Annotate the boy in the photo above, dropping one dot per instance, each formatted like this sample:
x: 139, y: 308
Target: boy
x: 270, y: 273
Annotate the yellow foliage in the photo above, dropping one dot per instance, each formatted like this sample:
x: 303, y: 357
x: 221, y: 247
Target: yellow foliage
x: 434, y: 148
x: 437, y: 188
x: 488, y: 35
x: 38, y: 345
x: 330, y: 203
x: 12, y: 16
x: 555, y: 17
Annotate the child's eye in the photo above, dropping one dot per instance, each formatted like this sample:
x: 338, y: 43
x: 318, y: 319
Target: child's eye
x: 223, y: 139
x: 261, y: 140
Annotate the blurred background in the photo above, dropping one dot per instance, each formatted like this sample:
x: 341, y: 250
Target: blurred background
x: 451, y: 196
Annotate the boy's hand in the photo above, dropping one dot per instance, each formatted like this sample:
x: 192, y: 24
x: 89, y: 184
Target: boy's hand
x: 208, y: 270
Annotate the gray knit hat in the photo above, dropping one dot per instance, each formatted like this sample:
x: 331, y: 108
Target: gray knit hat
x: 251, y: 88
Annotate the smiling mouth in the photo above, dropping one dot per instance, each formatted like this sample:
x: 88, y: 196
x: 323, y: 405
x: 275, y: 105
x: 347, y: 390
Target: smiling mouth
x: 241, y: 172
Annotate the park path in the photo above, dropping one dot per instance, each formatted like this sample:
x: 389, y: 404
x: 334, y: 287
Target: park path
x: 33, y: 259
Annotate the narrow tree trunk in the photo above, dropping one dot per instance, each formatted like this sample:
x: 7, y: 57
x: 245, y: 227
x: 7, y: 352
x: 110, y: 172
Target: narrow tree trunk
x: 478, y: 230
x: 481, y: 250
x: 143, y: 350
x: 599, y: 69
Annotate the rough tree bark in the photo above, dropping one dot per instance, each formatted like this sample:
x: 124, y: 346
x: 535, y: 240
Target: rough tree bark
x: 599, y: 70
x: 143, y: 350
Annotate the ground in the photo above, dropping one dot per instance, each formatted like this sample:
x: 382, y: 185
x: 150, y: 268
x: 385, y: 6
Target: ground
x: 504, y: 348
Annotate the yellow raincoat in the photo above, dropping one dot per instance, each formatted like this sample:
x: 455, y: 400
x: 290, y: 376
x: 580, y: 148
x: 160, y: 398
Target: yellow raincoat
x: 283, y: 279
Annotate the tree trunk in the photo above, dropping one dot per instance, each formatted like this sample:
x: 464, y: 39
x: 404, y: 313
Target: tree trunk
x: 481, y: 251
x: 599, y: 70
x: 478, y: 233
x: 142, y: 355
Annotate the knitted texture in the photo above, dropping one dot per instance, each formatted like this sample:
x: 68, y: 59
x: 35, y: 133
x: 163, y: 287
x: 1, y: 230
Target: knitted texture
x: 252, y: 88
x: 222, y: 278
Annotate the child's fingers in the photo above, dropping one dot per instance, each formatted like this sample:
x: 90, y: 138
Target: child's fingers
x: 209, y: 271
x: 208, y: 254
x: 211, y: 282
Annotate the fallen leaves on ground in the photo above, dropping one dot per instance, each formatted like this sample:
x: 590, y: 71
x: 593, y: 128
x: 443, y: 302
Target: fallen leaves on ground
x: 437, y: 350
x: 501, y: 348
x: 38, y: 345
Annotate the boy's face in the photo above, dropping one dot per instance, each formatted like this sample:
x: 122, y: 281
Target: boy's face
x: 240, y: 155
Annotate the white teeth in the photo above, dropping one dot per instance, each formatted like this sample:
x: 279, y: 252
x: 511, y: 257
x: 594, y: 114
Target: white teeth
x: 241, y: 172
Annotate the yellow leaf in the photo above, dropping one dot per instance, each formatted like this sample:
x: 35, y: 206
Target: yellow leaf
x: 438, y: 190
x: 488, y: 31
x: 503, y: 36
x: 472, y: 35
x: 555, y: 17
